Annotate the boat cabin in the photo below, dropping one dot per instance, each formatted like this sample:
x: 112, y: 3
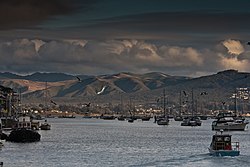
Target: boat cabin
x: 24, y: 122
x: 223, y: 142
x: 225, y: 114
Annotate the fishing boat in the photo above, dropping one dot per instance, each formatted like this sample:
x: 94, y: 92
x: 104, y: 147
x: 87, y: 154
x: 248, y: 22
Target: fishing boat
x: 24, y: 133
x: 222, y: 145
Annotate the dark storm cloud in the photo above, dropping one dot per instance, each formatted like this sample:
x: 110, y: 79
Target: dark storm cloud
x: 183, y: 23
x: 27, y: 13
x: 96, y: 37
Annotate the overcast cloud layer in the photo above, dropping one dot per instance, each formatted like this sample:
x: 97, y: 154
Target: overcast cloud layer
x: 111, y: 56
x: 182, y: 37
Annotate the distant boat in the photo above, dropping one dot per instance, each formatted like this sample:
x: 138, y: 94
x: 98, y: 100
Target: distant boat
x: 165, y: 119
x: 45, y: 126
x: 229, y: 121
x: 66, y: 116
x: 107, y: 117
x: 222, y: 145
x: 131, y: 120
x: 145, y: 118
x: 178, y: 118
x: 192, y: 120
x: 121, y: 118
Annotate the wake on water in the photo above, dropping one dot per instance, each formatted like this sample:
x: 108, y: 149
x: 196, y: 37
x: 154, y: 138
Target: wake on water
x: 200, y: 160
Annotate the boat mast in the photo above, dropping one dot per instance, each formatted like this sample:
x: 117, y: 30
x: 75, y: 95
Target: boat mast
x: 180, y: 105
x: 235, y: 101
x: 192, y: 103
x: 46, y: 96
x: 164, y: 102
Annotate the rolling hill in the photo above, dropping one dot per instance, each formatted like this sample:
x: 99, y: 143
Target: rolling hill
x: 106, y: 87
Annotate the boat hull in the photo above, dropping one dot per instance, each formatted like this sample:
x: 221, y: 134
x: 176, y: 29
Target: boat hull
x: 163, y: 122
x: 230, y: 127
x: 23, y: 136
x: 224, y: 152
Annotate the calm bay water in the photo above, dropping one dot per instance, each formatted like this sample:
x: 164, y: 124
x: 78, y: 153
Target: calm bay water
x: 93, y: 142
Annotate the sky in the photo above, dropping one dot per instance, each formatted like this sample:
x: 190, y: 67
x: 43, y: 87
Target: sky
x: 94, y: 37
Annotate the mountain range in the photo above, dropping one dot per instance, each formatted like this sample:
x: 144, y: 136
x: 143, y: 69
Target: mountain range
x: 141, y: 87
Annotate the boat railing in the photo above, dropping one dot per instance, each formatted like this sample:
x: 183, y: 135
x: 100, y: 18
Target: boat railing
x: 235, y: 146
x: 227, y: 146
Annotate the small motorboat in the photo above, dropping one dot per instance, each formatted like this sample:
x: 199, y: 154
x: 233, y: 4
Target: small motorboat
x: 45, y: 126
x: 222, y: 145
x: 121, y: 118
x: 163, y: 121
x: 191, y: 121
x: 131, y: 120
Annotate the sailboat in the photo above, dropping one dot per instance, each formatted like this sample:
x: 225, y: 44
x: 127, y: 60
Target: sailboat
x: 179, y: 117
x: 121, y: 117
x: 193, y: 120
x: 163, y: 120
x: 46, y: 125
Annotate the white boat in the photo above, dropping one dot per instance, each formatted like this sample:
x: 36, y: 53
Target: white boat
x: 229, y: 121
x: 222, y: 145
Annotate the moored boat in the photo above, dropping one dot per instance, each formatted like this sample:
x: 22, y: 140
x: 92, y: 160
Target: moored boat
x: 222, y: 145
x: 45, y: 126
x: 178, y: 118
x: 131, y: 120
x: 163, y: 121
x: 191, y: 121
x: 229, y: 121
x: 121, y: 118
x: 145, y: 118
x: 23, y: 133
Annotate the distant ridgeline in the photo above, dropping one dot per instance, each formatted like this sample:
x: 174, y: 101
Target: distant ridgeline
x: 107, y: 88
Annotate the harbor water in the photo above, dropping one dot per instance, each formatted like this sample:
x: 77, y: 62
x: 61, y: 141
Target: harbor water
x: 82, y: 142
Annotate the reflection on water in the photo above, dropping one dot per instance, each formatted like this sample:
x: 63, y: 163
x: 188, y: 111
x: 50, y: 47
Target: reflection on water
x: 94, y: 142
